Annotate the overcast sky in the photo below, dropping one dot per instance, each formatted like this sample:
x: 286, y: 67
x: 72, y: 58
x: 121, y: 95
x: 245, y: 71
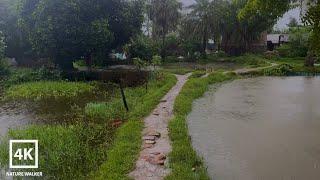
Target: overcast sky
x: 282, y: 23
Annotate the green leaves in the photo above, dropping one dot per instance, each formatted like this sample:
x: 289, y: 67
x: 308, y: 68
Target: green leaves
x: 2, y: 45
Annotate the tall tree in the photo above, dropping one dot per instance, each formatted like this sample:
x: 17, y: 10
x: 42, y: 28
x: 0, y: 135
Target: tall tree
x: 246, y: 20
x: 65, y: 30
x: 17, y: 43
x: 165, y: 15
x: 207, y: 16
x: 312, y: 18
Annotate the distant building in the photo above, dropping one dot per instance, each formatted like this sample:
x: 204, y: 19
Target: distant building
x: 274, y: 40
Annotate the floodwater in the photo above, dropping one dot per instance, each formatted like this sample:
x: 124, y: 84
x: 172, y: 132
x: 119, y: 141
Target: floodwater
x: 265, y: 128
x: 13, y: 117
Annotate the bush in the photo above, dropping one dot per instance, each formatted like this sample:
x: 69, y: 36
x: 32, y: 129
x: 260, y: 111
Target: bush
x: 45, y: 90
x: 23, y: 75
x: 298, y: 45
x: 281, y: 70
x: 172, y: 45
x: 4, y: 69
x: 141, y: 47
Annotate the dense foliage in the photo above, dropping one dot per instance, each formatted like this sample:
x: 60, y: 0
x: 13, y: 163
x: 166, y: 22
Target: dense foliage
x: 67, y: 30
x: 299, y: 43
x: 313, y: 18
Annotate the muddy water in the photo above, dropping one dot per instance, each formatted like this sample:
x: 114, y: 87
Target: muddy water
x: 14, y: 116
x: 260, y: 129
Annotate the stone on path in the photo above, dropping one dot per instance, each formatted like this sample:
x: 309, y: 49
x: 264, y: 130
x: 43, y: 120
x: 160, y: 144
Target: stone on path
x: 150, y: 142
x: 152, y: 138
x: 156, y: 142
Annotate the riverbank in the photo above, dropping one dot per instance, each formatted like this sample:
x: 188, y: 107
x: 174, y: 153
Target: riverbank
x: 184, y: 161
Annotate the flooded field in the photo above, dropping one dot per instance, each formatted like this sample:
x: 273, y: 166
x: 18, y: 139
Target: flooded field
x: 19, y: 114
x: 13, y: 117
x: 260, y: 129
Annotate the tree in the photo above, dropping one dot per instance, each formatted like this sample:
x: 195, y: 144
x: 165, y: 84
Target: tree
x: 2, y: 46
x: 141, y: 47
x: 256, y: 17
x: 204, y: 22
x: 312, y: 18
x: 65, y: 30
x: 16, y: 41
x: 165, y: 15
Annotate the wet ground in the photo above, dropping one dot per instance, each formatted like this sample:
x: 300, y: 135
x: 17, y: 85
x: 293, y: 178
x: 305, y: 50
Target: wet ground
x: 19, y: 114
x: 260, y: 129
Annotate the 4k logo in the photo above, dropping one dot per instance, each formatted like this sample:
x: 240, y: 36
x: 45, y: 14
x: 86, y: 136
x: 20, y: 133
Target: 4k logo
x: 23, y: 154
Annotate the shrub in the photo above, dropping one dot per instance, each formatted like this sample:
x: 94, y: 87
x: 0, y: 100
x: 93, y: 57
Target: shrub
x: 141, y: 47
x: 298, y: 45
x: 44, y: 90
x: 272, y: 54
x: 172, y: 45
x: 4, y: 69
x: 23, y: 75
x: 281, y: 70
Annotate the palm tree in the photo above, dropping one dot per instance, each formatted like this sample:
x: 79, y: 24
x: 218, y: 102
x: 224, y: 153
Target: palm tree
x: 165, y: 15
x: 207, y: 16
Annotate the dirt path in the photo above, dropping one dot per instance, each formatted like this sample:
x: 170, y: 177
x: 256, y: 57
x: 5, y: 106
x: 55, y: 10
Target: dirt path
x: 156, y: 143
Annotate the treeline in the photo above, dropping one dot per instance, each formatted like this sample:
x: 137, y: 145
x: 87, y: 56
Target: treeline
x: 65, y: 30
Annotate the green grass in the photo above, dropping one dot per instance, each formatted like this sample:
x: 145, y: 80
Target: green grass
x: 198, y: 74
x: 184, y: 162
x: 90, y: 146
x: 43, y: 90
x: 127, y: 143
x: 64, y: 152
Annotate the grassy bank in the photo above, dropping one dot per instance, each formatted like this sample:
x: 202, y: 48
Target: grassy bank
x: 91, y: 143
x: 184, y: 162
x: 124, y: 152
